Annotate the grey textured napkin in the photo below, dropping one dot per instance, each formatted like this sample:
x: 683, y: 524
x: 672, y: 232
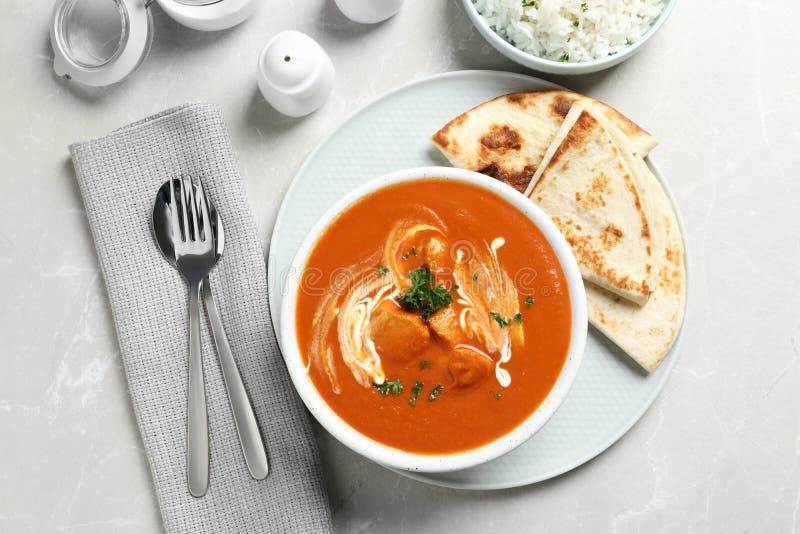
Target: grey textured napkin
x: 119, y: 176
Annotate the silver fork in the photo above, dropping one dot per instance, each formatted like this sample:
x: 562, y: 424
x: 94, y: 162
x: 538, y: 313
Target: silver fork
x: 194, y: 258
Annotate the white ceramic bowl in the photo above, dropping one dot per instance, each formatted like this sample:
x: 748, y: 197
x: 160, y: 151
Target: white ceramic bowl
x: 390, y: 456
x: 557, y: 67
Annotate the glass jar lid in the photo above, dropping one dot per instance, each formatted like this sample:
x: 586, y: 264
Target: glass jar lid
x: 99, y: 42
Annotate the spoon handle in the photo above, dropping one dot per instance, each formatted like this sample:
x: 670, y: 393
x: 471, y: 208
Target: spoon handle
x: 197, y: 432
x: 252, y: 446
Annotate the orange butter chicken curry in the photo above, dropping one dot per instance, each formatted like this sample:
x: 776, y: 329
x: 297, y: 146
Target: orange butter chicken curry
x: 434, y: 316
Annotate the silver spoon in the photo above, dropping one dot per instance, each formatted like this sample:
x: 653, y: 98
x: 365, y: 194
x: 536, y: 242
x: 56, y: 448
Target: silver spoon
x: 243, y: 416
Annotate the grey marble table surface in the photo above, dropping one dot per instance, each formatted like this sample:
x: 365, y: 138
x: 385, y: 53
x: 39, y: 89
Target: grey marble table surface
x: 719, y: 451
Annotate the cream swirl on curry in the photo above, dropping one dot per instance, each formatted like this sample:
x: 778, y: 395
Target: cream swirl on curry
x: 371, y: 315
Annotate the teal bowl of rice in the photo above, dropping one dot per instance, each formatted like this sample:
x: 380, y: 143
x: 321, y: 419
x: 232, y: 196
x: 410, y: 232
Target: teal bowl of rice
x: 568, y: 36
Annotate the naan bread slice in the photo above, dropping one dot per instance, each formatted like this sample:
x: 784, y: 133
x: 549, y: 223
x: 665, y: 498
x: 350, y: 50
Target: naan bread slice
x: 569, y: 121
x: 590, y: 193
x: 507, y: 137
x: 632, y: 159
x: 647, y: 332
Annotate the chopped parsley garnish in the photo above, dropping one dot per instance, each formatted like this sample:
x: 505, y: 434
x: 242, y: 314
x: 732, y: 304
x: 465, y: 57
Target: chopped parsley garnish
x: 496, y: 395
x: 576, y: 23
x: 474, y: 277
x: 382, y: 270
x: 389, y: 387
x: 435, y: 393
x: 415, y: 393
x: 424, y: 364
x: 530, y: 3
x: 529, y: 301
x: 413, y: 251
x: 518, y: 318
x: 404, y: 257
x: 424, y: 296
x: 564, y: 57
x: 455, y: 287
x: 502, y: 321
x: 585, y: 7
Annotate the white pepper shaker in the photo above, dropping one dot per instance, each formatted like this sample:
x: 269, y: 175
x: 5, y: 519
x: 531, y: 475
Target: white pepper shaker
x: 369, y: 11
x: 295, y: 74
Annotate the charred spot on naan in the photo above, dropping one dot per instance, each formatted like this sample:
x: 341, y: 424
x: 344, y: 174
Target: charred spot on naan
x: 558, y: 107
x: 521, y: 100
x: 670, y: 279
x: 561, y: 103
x: 601, y: 317
x: 611, y: 236
x: 518, y: 99
x: 501, y: 138
x: 594, y: 194
x: 673, y: 255
x: 516, y: 178
x: 443, y: 138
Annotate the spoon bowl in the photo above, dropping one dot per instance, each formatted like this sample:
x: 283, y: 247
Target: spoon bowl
x: 162, y: 228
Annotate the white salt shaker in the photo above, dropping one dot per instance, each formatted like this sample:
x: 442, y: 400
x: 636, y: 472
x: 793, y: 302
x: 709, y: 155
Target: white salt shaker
x: 295, y: 74
x: 369, y: 11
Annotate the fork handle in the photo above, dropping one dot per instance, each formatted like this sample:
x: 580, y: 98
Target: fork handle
x: 246, y: 426
x: 197, y: 432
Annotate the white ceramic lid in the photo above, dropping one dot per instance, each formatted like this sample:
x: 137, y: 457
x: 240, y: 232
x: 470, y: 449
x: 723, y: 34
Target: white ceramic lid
x: 209, y: 15
x: 99, y: 42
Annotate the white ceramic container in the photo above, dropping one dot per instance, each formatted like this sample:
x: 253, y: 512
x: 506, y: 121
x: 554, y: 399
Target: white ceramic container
x: 396, y: 458
x: 295, y: 74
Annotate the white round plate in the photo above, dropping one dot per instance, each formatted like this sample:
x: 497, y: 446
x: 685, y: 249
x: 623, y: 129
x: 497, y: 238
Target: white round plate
x: 609, y: 394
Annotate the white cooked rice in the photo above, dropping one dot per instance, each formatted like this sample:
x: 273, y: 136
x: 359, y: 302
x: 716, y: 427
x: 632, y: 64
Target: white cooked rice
x: 546, y: 28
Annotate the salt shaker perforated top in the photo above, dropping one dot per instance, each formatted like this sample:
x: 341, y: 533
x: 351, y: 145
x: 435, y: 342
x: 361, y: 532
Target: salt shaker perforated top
x: 295, y: 74
x: 369, y: 11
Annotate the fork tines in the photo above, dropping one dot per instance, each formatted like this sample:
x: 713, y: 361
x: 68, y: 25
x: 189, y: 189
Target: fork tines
x: 193, y: 222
